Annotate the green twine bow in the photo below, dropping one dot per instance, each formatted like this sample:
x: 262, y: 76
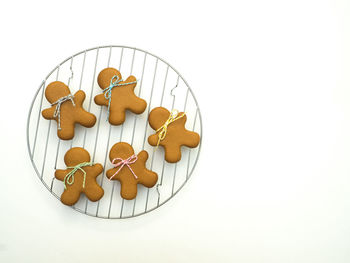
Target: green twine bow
x: 69, y: 178
x: 115, y: 82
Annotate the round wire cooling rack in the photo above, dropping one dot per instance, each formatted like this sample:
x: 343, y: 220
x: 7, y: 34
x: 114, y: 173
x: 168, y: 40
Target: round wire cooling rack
x: 159, y: 84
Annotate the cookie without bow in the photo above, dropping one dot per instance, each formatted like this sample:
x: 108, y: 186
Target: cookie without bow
x: 176, y: 134
x: 127, y: 174
x: 66, y: 114
x: 75, y: 184
x: 122, y: 97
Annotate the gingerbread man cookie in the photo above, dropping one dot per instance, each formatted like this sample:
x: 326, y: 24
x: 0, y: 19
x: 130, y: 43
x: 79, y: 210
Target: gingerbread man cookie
x: 171, y: 133
x: 130, y: 169
x: 118, y: 95
x: 66, y: 109
x: 79, y: 177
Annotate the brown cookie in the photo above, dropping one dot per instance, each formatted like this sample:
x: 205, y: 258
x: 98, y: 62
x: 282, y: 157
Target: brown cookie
x: 171, y: 134
x: 66, y: 109
x: 130, y: 169
x: 118, y: 95
x: 79, y: 177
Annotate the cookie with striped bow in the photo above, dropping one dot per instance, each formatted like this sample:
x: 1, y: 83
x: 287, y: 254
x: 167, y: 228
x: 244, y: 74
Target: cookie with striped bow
x: 130, y: 169
x: 66, y: 109
x: 79, y: 177
x: 118, y: 95
x: 171, y: 133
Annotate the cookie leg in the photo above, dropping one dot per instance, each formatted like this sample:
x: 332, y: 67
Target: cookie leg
x: 128, y: 191
x: 117, y: 117
x: 70, y: 196
x: 191, y: 139
x: 172, y: 153
x: 67, y: 130
x: 149, y: 180
x: 94, y: 192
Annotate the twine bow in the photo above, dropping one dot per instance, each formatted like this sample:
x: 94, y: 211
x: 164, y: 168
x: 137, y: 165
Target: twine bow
x: 164, y: 128
x: 132, y: 159
x: 115, y: 82
x: 69, y: 178
x: 58, y: 103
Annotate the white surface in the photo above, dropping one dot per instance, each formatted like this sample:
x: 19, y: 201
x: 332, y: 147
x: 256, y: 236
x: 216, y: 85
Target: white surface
x: 272, y: 79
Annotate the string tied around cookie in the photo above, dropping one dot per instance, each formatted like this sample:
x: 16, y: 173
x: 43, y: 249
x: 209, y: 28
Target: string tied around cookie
x: 57, y: 113
x: 115, y: 82
x: 164, y: 128
x: 69, y: 178
x: 132, y: 159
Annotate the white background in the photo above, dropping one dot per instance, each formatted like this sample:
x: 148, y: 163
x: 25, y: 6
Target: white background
x: 273, y: 180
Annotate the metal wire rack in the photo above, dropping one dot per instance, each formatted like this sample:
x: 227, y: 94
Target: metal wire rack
x: 159, y: 84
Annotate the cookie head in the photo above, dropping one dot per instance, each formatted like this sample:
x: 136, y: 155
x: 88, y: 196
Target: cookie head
x: 76, y: 156
x: 105, y: 76
x: 56, y: 90
x: 159, y: 115
x: 121, y: 150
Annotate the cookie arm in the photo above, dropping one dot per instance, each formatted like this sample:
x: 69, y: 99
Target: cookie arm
x: 131, y: 78
x: 110, y: 173
x: 101, y: 100
x: 60, y: 174
x: 48, y: 113
x: 79, y: 97
x: 153, y: 139
x: 98, y: 169
x: 142, y: 157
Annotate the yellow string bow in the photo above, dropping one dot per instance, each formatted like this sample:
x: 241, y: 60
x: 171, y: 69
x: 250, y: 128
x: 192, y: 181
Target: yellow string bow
x: 164, y: 128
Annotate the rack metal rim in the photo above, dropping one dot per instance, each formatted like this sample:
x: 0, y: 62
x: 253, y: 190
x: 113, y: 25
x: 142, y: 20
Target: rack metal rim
x: 97, y: 48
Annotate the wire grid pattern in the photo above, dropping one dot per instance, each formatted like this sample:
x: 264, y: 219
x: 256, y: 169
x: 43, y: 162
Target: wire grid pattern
x: 159, y: 84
